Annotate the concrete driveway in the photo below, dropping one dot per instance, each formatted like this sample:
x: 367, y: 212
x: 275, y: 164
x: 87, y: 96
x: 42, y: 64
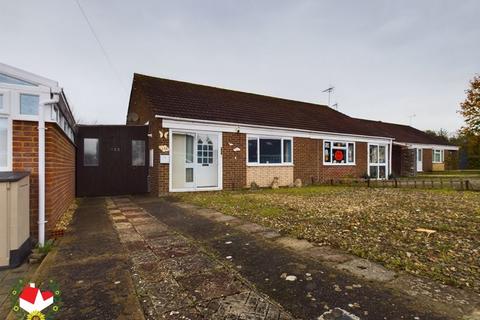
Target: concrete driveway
x: 286, y: 272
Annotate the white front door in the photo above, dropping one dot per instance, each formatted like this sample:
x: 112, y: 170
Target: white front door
x: 419, y: 160
x: 207, y: 160
x: 378, y: 161
x: 195, y: 161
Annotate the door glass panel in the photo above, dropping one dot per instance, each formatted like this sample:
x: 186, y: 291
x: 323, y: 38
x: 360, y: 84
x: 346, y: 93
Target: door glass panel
x: 90, y: 152
x: 373, y: 154
x: 189, y: 175
x: 189, y: 149
x: 374, y: 172
x: 419, y: 154
x: 382, y: 172
x: 381, y: 154
x: 182, y: 161
x: 138, y: 153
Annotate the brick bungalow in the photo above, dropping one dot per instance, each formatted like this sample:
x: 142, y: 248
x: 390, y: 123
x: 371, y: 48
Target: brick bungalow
x: 207, y: 138
x: 414, y: 150
x: 21, y: 97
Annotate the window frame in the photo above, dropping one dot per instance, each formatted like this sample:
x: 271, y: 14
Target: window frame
x: 98, y: 153
x: 379, y: 164
x: 347, y: 163
x: 5, y: 96
x: 9, y: 144
x: 442, y: 155
x: 258, y: 163
x: 133, y: 141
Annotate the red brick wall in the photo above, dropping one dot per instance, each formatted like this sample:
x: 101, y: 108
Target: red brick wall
x: 306, y: 159
x: 59, y: 174
x: 234, y: 163
x: 59, y: 169
x: 25, y: 158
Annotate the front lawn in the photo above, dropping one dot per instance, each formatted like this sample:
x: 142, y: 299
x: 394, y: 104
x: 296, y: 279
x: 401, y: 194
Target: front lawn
x: 377, y: 224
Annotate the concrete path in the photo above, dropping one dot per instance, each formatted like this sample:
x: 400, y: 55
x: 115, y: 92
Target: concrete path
x: 287, y: 271
x: 91, y: 268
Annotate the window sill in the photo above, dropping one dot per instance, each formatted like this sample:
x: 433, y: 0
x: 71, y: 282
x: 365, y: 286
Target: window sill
x: 339, y: 164
x: 269, y: 164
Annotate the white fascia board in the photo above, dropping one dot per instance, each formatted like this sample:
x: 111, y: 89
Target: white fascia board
x: 29, y: 77
x: 204, y: 125
x: 427, y: 146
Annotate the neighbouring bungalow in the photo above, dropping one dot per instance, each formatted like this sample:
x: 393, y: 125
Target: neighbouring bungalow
x: 414, y: 150
x: 207, y: 138
x: 26, y: 99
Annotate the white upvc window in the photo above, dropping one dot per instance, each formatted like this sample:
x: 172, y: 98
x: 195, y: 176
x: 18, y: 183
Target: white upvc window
x: 338, y: 152
x: 437, y: 156
x: 269, y: 151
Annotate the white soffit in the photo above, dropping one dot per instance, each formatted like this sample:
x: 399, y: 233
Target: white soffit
x: 203, y: 125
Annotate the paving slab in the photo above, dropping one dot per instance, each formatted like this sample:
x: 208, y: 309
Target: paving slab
x: 367, y: 269
x: 251, y: 227
x: 294, y: 244
x: 224, y: 218
x: 269, y: 234
x: 328, y: 254
x: 209, y: 213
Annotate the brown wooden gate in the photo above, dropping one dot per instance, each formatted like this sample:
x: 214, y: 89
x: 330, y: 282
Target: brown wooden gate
x: 112, y: 160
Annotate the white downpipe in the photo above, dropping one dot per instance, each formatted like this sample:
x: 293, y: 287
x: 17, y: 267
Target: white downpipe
x: 41, y: 169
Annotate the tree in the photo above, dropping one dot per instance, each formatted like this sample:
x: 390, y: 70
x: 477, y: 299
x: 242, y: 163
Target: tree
x: 470, y: 108
x: 442, y: 134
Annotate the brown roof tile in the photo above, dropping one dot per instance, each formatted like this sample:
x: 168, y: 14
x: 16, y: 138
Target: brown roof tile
x: 401, y: 133
x: 193, y: 101
x: 187, y: 100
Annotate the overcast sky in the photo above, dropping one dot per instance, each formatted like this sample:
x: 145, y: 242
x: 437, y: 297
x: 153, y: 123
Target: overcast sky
x: 387, y: 60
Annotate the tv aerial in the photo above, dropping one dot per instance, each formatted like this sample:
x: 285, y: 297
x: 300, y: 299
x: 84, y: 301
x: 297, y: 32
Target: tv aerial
x: 329, y: 90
